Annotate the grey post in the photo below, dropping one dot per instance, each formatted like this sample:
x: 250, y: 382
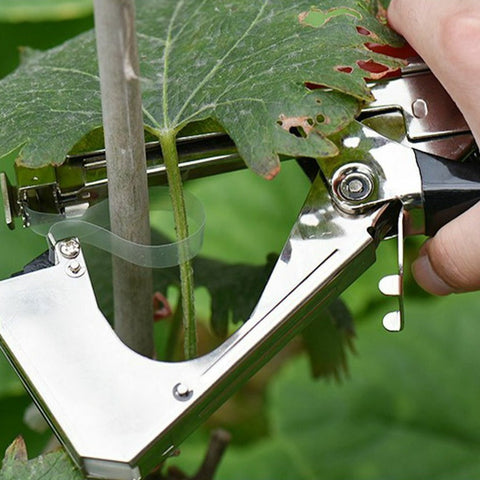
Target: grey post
x: 126, y: 166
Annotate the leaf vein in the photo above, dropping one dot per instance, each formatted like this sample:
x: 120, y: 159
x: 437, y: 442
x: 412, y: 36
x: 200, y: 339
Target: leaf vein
x: 166, y: 55
x: 220, y: 62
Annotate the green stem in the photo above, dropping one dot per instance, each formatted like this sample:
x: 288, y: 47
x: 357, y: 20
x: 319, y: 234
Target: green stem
x: 170, y: 157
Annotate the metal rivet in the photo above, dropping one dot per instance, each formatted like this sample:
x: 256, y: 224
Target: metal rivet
x: 182, y: 392
x: 70, y: 248
x: 75, y: 269
x: 356, y: 186
x: 74, y: 266
x: 420, y: 108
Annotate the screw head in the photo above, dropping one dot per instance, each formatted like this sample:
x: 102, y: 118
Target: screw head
x: 70, y: 248
x: 182, y: 392
x: 74, y: 266
x: 75, y: 269
x: 356, y: 186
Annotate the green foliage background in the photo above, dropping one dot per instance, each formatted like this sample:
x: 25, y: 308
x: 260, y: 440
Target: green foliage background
x: 410, y: 406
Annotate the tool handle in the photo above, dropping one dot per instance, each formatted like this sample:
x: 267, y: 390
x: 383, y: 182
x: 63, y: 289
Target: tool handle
x: 449, y: 187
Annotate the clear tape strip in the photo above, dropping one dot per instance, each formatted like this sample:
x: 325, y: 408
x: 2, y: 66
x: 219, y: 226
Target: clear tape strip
x: 93, y: 228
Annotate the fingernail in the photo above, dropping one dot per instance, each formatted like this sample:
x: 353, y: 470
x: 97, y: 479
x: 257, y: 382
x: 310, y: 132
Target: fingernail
x: 427, y: 278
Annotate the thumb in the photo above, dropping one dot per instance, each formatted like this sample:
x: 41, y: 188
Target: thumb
x: 446, y: 33
x: 450, y: 261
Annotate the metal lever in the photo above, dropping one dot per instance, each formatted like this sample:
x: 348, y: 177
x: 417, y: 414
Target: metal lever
x: 88, y: 383
x: 392, y: 285
x: 119, y: 414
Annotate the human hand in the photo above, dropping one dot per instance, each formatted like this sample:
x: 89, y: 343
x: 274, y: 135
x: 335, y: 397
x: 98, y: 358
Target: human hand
x: 446, y: 34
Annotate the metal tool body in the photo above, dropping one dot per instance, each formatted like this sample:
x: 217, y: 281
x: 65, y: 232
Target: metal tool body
x: 118, y: 413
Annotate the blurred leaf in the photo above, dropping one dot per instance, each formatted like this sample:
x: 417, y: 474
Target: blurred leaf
x: 409, y: 411
x: 41, y: 10
x: 327, y: 339
x: 241, y: 229
x: 247, y: 217
x: 208, y: 52
x: 53, y: 466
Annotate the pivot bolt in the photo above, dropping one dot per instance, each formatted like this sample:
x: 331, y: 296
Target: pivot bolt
x: 70, y: 248
x: 182, y: 392
x: 356, y: 186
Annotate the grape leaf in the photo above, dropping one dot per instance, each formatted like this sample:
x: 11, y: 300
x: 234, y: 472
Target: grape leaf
x: 327, y: 339
x: 41, y: 10
x: 52, y: 466
x: 257, y: 68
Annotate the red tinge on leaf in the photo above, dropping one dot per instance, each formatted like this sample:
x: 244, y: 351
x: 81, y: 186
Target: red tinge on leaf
x: 403, y: 53
x: 344, y: 69
x: 376, y: 70
x: 161, y: 307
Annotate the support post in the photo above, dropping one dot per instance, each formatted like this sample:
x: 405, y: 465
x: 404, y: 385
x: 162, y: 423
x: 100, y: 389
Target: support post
x: 126, y: 166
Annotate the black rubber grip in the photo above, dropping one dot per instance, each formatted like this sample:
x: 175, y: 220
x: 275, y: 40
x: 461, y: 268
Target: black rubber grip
x: 449, y: 188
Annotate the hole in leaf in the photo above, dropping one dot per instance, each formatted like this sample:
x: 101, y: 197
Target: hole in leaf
x: 376, y: 70
x: 298, y: 131
x: 364, y: 31
x: 298, y: 126
x: 397, y: 52
x: 344, y: 69
x: 315, y: 86
x: 320, y: 118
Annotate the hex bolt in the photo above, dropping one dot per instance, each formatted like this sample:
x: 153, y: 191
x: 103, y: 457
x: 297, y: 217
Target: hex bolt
x: 182, y: 392
x: 70, y: 248
x: 356, y: 186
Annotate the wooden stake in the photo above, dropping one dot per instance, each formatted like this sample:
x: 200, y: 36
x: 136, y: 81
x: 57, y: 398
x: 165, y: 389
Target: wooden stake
x: 126, y: 166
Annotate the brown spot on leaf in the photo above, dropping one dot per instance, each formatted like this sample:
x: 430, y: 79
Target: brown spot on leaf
x: 272, y: 173
x: 17, y: 450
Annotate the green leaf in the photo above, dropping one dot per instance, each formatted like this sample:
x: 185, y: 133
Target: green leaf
x: 41, y: 10
x: 410, y: 409
x: 53, y: 466
x: 327, y: 339
x: 257, y: 68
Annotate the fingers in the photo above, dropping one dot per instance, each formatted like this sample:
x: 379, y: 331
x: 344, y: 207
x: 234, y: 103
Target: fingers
x: 450, y: 261
x: 446, y: 33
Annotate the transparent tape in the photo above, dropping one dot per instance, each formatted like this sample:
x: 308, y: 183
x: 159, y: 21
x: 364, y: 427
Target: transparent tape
x: 93, y: 228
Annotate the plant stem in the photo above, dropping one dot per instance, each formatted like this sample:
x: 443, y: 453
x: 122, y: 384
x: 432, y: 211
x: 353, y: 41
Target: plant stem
x: 170, y: 157
x: 126, y: 166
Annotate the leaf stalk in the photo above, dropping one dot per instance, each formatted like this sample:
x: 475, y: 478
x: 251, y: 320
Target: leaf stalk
x: 170, y: 157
